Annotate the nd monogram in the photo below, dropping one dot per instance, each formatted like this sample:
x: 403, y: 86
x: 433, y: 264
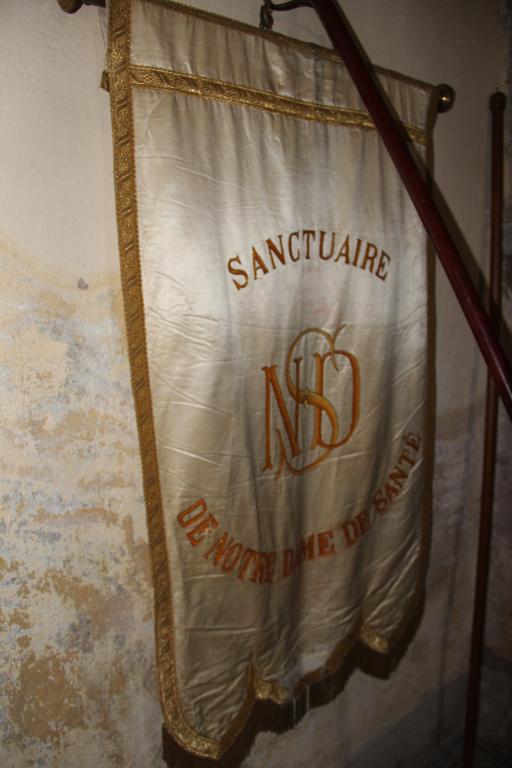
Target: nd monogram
x: 334, y: 399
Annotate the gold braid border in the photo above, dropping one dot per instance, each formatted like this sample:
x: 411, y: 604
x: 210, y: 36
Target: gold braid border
x: 121, y: 84
x: 155, y: 78
x: 127, y: 225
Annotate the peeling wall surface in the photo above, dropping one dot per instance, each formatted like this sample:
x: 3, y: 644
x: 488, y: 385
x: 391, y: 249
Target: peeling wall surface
x: 77, y: 668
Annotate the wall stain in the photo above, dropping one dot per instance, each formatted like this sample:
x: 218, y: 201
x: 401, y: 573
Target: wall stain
x: 20, y: 619
x: 82, y: 515
x: 77, y: 667
x: 101, y: 608
x: 44, y: 701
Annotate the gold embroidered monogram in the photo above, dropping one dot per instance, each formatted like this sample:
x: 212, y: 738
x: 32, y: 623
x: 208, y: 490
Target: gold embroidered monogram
x: 322, y: 408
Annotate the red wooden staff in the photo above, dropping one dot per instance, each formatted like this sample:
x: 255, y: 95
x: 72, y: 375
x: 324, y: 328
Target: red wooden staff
x: 335, y: 25
x: 497, y: 105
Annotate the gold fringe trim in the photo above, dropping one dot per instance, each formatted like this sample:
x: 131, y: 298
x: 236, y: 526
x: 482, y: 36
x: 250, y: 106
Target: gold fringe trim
x: 373, y: 640
x: 154, y: 78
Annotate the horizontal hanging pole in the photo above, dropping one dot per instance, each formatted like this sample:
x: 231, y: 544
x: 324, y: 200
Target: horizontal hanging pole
x: 390, y: 131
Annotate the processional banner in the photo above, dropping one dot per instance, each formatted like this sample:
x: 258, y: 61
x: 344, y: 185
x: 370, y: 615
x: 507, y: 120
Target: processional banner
x: 274, y: 279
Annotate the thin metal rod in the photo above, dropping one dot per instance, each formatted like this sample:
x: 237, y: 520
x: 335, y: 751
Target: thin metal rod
x: 390, y: 132
x: 497, y: 106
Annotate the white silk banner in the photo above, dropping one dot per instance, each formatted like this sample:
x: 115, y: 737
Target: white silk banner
x: 274, y: 277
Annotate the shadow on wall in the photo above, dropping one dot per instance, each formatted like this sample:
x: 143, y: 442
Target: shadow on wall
x: 267, y: 716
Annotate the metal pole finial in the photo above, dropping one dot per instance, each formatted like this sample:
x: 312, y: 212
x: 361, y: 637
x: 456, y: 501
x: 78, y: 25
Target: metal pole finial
x: 446, y: 97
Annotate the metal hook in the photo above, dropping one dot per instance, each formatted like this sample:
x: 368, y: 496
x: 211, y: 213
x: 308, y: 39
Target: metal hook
x: 266, y: 17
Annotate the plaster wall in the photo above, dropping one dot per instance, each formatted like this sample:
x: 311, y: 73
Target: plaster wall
x: 77, y: 680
